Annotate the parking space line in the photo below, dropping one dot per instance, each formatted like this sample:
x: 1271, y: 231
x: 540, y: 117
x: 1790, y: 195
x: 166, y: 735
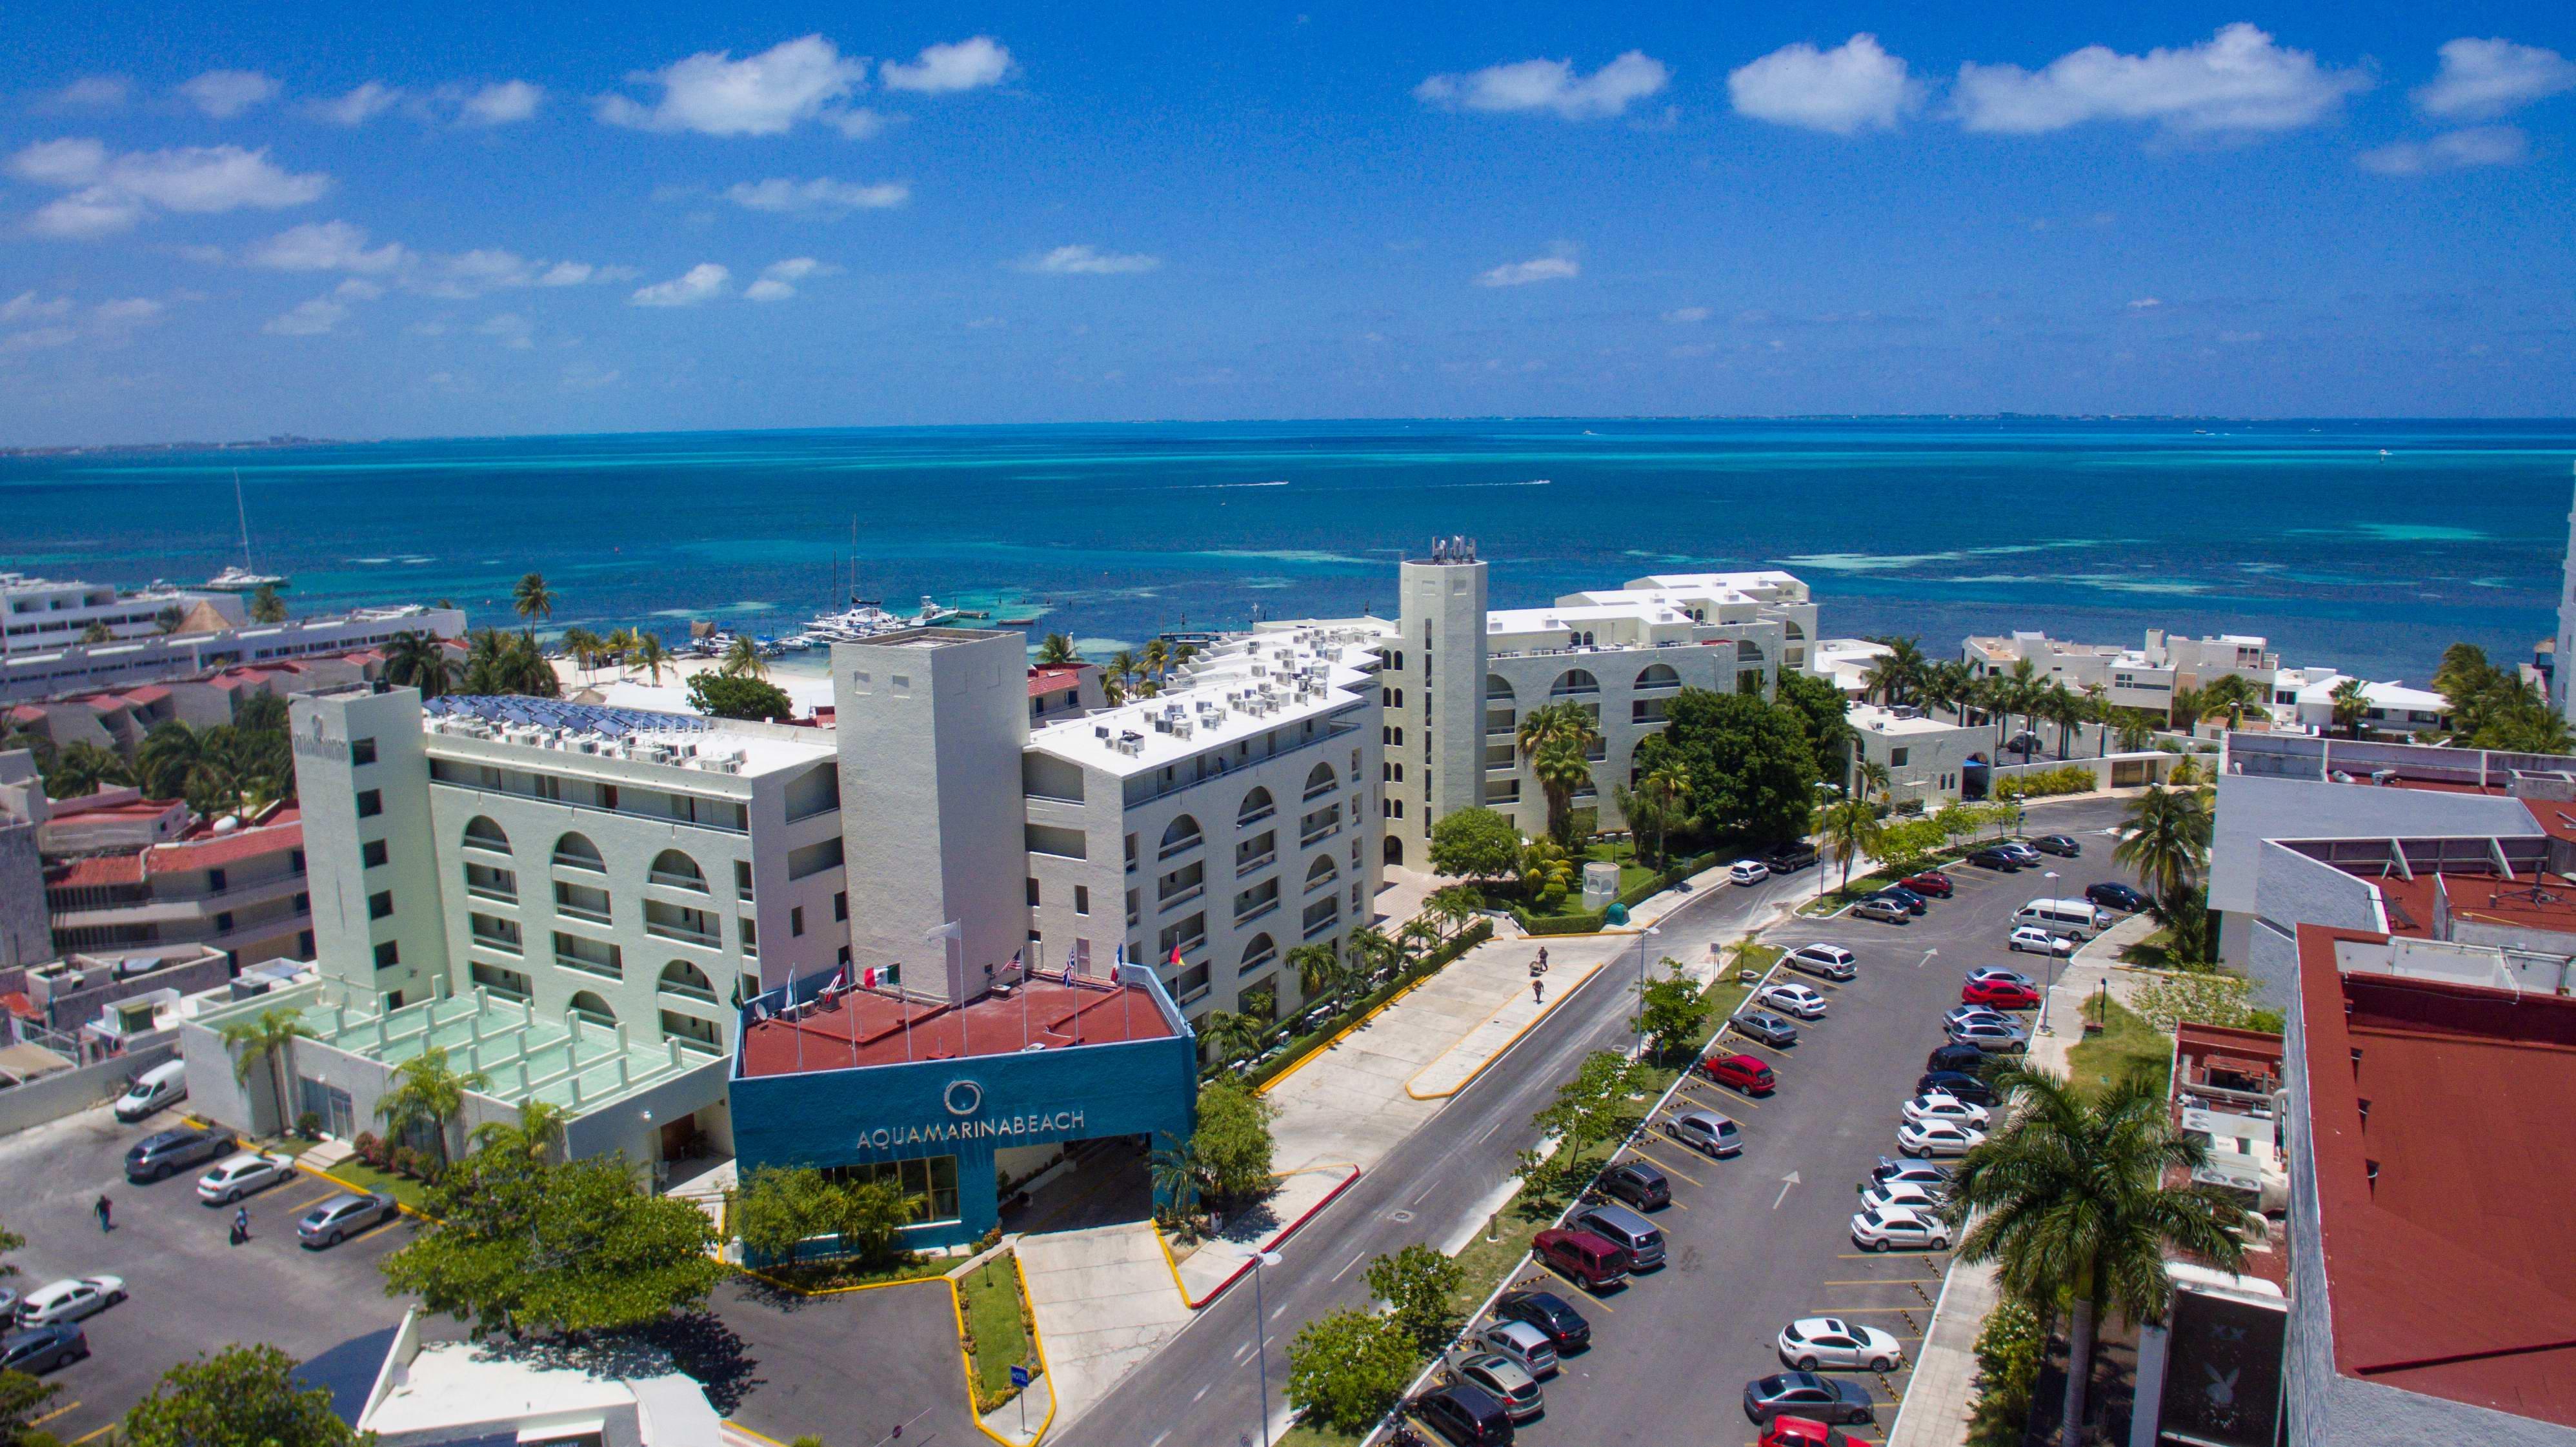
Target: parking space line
x: 1865, y: 1310
x: 1570, y: 1286
x: 317, y: 1200
x: 1891, y: 1256
x: 49, y: 1416
x: 1669, y: 1170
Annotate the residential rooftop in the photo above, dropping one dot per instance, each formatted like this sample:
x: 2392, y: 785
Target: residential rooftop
x: 1246, y: 687
x: 848, y: 1029
x: 2225, y: 1089
x: 677, y: 740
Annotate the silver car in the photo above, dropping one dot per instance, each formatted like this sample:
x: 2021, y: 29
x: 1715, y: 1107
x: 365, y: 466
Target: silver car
x: 1504, y: 1380
x: 343, y: 1216
x: 1992, y: 1038
x: 1526, y: 1346
x: 1705, y: 1131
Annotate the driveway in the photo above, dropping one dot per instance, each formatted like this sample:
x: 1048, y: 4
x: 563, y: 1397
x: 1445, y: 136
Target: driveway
x: 849, y: 1368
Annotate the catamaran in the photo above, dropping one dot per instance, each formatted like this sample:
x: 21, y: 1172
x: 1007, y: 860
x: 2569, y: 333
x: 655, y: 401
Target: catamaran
x: 246, y: 578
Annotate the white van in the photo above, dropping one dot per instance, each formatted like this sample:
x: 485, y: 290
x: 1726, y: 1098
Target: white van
x: 2075, y: 918
x: 163, y: 1084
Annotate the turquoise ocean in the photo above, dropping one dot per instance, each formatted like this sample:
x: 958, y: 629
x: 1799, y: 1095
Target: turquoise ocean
x: 2368, y: 544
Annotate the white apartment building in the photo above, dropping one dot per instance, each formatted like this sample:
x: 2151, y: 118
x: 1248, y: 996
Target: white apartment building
x: 1458, y: 678
x: 1928, y: 760
x: 2143, y: 677
x: 40, y: 614
x: 59, y: 663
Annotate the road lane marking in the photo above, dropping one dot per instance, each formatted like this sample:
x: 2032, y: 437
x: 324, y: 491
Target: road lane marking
x: 1356, y: 1260
x: 1427, y: 1190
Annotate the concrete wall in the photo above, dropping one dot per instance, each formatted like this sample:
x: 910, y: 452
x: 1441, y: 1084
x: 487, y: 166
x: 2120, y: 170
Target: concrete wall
x: 323, y: 727
x: 51, y: 1097
x: 1442, y: 683
x: 2252, y: 809
x: 2291, y: 890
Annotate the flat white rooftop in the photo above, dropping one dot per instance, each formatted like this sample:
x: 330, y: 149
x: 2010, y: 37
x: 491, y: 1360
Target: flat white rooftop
x: 622, y: 735
x: 1245, y: 687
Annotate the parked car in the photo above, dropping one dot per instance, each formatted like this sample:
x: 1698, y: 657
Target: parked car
x: 2116, y: 896
x: 1580, y: 1256
x: 1943, y: 1107
x: 1974, y: 1015
x: 1911, y: 1195
x: 2039, y: 941
x: 1995, y: 859
x: 1796, y: 1000
x: 1831, y: 962
x: 1804, y: 1394
x: 1705, y: 1131
x: 1931, y: 884
x: 2059, y: 845
x: 1885, y: 910
x: 1897, y: 1168
x: 343, y: 1216
x: 165, y: 1084
x: 1638, y: 1184
x: 1771, y: 1030
x: 1804, y: 1432
x: 1829, y: 1341
x: 1955, y: 1056
x: 1899, y: 894
x: 2077, y: 919
x: 1626, y: 1230
x: 1899, y: 1229
x: 1525, y: 1345
x: 1931, y: 1138
x: 1970, y: 1088
x: 1993, y: 1038
x: 1790, y: 858
x: 1748, y: 871
x: 1464, y: 1414
x: 1740, y: 1071
x: 164, y: 1152
x: 2001, y: 994
x: 1502, y: 1379
x: 237, y: 1176
x: 1551, y: 1314
x: 1997, y: 974
x: 70, y: 1300
x: 40, y: 1349
x: 2022, y: 853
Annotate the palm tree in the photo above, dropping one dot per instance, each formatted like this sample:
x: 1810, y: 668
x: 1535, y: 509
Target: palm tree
x: 1744, y: 954
x: 1417, y: 938
x: 1849, y: 827
x: 97, y: 633
x: 1873, y: 778
x: 162, y: 763
x: 1121, y: 670
x: 1232, y: 1036
x: 537, y: 1136
x: 2352, y: 704
x: 1946, y: 685
x: 2229, y: 694
x: 1898, y: 674
x: 1179, y: 1177
x: 2097, y: 710
x: 2069, y: 1198
x: 418, y: 660
x: 1449, y: 906
x: 266, y: 606
x: 533, y: 600
x: 2061, y: 706
x: 427, y: 1093
x: 1158, y: 659
x: 264, y: 1039
x: 2185, y: 709
x: 1369, y: 951
x: 2166, y: 838
x: 169, y: 618
x: 651, y: 656
x: 1318, y: 970
x: 85, y: 768
x: 1056, y: 649
x: 585, y: 648
x: 1668, y: 785
x: 1556, y: 740
x: 742, y: 659
x: 2135, y: 727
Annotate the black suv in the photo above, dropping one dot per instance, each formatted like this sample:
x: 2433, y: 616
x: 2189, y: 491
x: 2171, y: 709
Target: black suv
x: 163, y: 1152
x: 1790, y: 858
x: 1638, y: 1184
x: 1967, y: 1059
x: 1562, y: 1325
x: 2116, y: 896
x: 1970, y: 1088
x: 1465, y: 1414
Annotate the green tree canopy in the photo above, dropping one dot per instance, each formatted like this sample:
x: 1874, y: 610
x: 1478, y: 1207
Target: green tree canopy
x: 1475, y: 843
x: 1233, y: 1140
x: 1593, y: 1106
x: 1672, y: 1010
x: 719, y: 695
x: 1752, y: 771
x: 1417, y: 1282
x: 1821, y: 707
x: 1347, y: 1368
x: 245, y: 1395
x: 778, y: 1209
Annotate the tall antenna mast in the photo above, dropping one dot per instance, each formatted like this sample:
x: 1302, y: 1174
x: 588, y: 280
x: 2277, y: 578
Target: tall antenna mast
x: 242, y: 512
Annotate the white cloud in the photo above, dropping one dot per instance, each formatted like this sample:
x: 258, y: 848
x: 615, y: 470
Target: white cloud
x: 510, y: 330
x: 702, y: 282
x: 326, y: 246
x: 2237, y: 80
x: 115, y: 192
x: 224, y: 94
x: 820, y: 196
x: 760, y: 95
x: 72, y: 161
x: 25, y: 307
x: 92, y: 92
x: 567, y: 273
x: 357, y: 289
x: 1687, y: 314
x: 1522, y: 273
x: 767, y: 290
x: 2450, y: 151
x: 359, y: 106
x: 2482, y: 79
x: 132, y: 311
x: 91, y: 212
x: 965, y: 65
x: 2146, y: 304
x: 1854, y: 86
x: 500, y: 103
x: 777, y: 280
x: 1549, y: 85
x: 1086, y: 261
x: 309, y: 319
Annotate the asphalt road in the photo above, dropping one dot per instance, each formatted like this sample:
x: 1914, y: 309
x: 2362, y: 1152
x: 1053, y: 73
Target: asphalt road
x: 188, y: 1290
x: 1205, y: 1387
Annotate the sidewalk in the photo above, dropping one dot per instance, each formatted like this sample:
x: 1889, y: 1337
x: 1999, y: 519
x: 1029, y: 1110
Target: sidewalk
x: 1105, y: 1299
x: 1227, y: 1255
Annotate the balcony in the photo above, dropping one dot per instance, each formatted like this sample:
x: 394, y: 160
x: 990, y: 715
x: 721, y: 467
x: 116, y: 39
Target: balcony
x: 686, y: 926
x: 1262, y: 860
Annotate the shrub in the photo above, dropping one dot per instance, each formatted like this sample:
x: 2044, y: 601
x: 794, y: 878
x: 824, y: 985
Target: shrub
x: 2041, y: 783
x: 1346, y: 1368
x: 309, y: 1125
x: 369, y: 1149
x: 2008, y: 1357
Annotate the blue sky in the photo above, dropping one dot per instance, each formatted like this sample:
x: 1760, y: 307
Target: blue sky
x: 223, y: 221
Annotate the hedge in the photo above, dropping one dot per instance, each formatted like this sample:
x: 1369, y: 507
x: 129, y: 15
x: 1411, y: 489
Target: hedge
x: 1592, y: 921
x: 2064, y: 779
x: 1305, y: 1045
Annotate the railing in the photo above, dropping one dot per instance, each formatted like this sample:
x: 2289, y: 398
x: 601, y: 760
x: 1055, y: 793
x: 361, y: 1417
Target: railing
x: 1176, y: 850
x: 1184, y: 896
x: 694, y: 883
x: 665, y: 817
x: 599, y: 968
x: 1320, y: 835
x: 1267, y: 906
x: 497, y: 896
x: 688, y: 991
x: 661, y: 931
x: 583, y: 912
x: 1243, y: 867
x: 503, y: 943
x: 1246, y: 821
x: 582, y: 862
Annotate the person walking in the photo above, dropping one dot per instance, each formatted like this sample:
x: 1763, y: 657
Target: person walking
x: 241, y: 1225
x: 106, y: 1210
x: 1538, y: 992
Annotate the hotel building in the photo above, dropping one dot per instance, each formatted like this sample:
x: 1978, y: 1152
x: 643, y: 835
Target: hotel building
x: 2144, y: 677
x: 50, y: 661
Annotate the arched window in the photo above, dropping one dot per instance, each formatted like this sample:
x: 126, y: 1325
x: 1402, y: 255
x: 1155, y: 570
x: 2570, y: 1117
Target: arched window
x: 1794, y: 632
x: 1322, y: 872
x: 1322, y: 780
x: 1659, y: 675
x: 1394, y: 853
x: 1575, y: 681
x: 1256, y: 954
x: 1498, y: 689
x: 594, y: 1010
x: 573, y: 851
x: 682, y: 978
x: 676, y: 869
x: 1256, y: 807
x: 482, y: 833
x: 1747, y: 651
x: 1182, y: 835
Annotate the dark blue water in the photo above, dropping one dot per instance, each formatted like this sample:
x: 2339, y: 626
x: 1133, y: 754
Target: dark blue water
x: 2302, y: 531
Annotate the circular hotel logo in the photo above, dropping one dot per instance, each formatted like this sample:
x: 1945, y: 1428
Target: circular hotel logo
x: 963, y: 1097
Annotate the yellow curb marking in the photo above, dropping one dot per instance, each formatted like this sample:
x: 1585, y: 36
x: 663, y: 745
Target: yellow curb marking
x: 1497, y: 1052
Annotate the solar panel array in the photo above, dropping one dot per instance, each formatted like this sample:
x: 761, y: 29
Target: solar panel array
x: 552, y: 713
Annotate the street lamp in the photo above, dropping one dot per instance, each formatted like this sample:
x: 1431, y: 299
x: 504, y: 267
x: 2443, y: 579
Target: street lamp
x: 1260, y: 1341
x: 2049, y: 993
x: 1640, y: 1021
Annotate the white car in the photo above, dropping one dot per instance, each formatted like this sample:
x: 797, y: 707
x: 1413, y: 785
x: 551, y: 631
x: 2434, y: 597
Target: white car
x: 1795, y: 1000
x: 1941, y: 1105
x: 1929, y: 1138
x: 1748, y: 871
x: 238, y: 1176
x: 1829, y: 1341
x: 1706, y: 1132
x: 1899, y: 1228
x: 2039, y: 941
x: 1911, y: 1195
x: 1831, y: 961
x: 70, y: 1300
x: 1998, y: 975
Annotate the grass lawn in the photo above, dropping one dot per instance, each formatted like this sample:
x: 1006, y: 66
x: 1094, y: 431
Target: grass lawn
x: 997, y: 1327
x: 356, y: 1172
x: 838, y: 1274
x: 2126, y: 1043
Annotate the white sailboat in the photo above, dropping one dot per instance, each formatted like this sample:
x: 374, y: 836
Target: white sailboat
x: 247, y: 578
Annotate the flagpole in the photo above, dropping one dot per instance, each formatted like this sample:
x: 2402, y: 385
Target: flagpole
x: 905, y: 1006
x: 1036, y: 955
x: 793, y: 1023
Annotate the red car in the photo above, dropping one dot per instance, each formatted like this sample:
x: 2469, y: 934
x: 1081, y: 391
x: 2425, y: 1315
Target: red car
x: 1803, y: 1432
x: 2002, y: 994
x: 1741, y: 1071
x: 1931, y: 883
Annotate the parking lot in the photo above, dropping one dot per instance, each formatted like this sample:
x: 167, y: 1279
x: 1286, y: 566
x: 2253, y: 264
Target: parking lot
x: 188, y: 1290
x: 1761, y: 1239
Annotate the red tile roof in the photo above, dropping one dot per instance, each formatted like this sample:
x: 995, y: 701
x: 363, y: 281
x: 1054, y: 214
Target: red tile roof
x: 860, y: 1028
x: 1045, y: 678
x: 96, y: 869
x: 218, y: 850
x: 2442, y: 1156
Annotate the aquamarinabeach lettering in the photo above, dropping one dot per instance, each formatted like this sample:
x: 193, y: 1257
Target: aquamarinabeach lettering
x: 887, y: 1138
